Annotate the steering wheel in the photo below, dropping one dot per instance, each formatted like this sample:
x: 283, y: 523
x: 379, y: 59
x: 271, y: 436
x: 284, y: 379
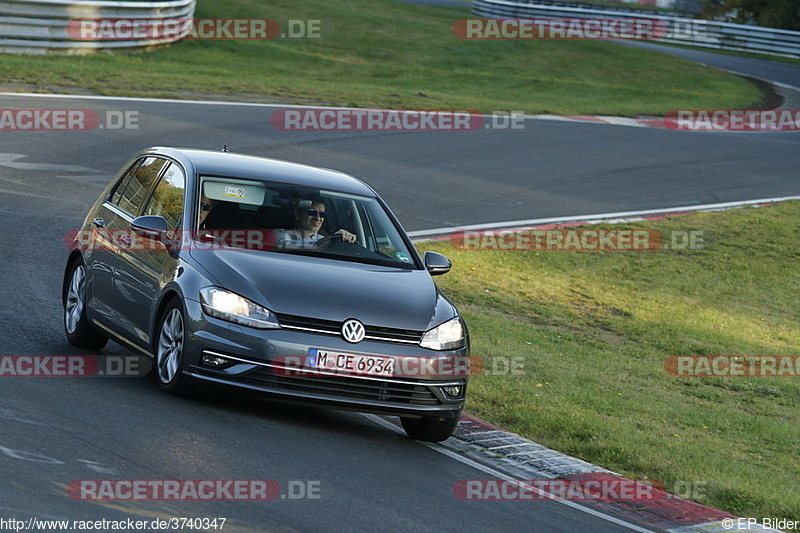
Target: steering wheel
x: 329, y: 239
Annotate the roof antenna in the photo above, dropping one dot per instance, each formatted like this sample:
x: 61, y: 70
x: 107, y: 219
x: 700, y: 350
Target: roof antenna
x: 225, y: 148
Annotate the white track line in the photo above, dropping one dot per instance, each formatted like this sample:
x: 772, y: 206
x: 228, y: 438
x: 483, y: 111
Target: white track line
x: 205, y: 102
x: 597, y: 217
x: 496, y: 473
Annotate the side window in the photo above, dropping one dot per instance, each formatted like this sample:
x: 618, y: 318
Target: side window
x: 167, y: 198
x: 123, y: 182
x: 136, y: 190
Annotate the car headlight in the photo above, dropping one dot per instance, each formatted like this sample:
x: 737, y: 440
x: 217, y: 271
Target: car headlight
x: 234, y: 308
x: 447, y: 336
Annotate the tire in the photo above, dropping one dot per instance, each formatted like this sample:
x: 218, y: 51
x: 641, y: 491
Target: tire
x: 77, y: 327
x: 169, y: 350
x: 429, y: 429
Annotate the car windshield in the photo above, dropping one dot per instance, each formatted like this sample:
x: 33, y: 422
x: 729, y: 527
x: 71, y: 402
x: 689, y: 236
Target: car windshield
x: 287, y: 218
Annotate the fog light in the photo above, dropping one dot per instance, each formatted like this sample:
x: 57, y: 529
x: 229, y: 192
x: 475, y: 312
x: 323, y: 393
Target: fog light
x: 214, y: 361
x: 454, y: 391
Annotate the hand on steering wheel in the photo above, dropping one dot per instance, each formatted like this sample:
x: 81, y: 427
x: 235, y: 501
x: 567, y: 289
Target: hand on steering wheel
x: 347, y: 236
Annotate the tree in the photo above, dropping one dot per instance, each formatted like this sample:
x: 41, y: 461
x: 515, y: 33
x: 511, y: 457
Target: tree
x: 782, y: 14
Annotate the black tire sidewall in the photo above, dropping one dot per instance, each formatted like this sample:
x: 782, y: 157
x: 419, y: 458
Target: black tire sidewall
x: 84, y: 336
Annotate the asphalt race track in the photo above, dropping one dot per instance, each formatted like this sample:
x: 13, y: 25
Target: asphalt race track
x: 370, y: 476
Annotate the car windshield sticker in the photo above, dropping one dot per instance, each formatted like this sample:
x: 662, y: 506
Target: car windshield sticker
x: 237, y: 192
x: 403, y: 257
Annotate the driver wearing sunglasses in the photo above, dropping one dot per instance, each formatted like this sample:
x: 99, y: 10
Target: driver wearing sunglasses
x: 307, y: 224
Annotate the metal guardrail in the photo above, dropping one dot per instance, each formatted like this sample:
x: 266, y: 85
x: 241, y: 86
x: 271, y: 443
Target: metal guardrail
x: 41, y: 26
x: 619, y: 7
x: 679, y: 30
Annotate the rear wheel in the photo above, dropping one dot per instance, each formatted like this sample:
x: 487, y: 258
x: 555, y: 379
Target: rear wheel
x: 429, y: 429
x: 77, y: 327
x: 169, y: 350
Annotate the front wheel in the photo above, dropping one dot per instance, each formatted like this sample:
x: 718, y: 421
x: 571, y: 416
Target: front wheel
x: 76, y: 325
x: 170, y: 351
x: 428, y: 428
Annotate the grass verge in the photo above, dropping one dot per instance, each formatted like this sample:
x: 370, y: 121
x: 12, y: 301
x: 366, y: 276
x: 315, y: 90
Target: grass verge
x: 391, y: 54
x: 592, y: 330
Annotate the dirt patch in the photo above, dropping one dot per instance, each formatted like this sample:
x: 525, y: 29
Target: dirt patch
x: 770, y: 98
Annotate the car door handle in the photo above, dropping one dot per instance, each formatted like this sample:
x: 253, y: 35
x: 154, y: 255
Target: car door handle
x: 99, y: 223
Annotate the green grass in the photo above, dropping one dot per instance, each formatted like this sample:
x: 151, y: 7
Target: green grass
x: 592, y: 332
x: 384, y: 53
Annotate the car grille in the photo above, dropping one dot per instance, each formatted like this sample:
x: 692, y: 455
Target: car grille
x: 343, y: 387
x: 332, y: 327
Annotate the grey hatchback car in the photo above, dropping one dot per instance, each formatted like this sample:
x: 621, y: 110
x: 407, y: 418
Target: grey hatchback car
x: 271, y: 277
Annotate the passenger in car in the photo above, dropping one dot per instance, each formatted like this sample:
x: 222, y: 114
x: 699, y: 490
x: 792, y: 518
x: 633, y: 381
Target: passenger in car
x: 206, y: 205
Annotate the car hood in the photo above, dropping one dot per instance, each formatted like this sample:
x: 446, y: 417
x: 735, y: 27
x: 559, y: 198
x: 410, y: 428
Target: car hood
x: 329, y: 289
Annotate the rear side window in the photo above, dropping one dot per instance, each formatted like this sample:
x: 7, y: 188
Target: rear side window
x: 123, y: 182
x: 167, y: 199
x: 138, y: 186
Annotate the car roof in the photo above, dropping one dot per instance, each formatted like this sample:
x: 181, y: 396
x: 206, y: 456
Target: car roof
x: 229, y: 164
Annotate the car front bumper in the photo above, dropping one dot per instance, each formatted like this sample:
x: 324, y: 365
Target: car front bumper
x: 265, y: 362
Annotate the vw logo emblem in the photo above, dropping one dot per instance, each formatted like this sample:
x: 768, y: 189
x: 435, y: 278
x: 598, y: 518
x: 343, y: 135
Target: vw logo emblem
x: 353, y: 330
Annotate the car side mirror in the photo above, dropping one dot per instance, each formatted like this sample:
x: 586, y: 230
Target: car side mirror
x: 437, y: 264
x: 151, y: 226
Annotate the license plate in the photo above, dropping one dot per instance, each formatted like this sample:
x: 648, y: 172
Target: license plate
x: 371, y: 365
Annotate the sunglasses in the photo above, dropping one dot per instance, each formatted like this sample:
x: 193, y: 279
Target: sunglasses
x: 314, y: 212
x: 205, y: 207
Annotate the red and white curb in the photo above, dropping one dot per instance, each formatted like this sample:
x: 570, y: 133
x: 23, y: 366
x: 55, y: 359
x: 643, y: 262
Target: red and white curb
x: 789, y: 93
x: 515, y: 460
x: 600, y: 119
x: 523, y: 459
